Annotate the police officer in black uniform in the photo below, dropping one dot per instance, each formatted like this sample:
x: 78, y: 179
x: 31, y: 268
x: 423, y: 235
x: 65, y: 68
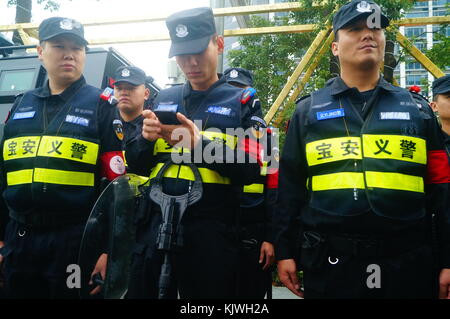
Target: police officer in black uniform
x: 441, y: 105
x: 131, y: 94
x: 257, y: 204
x: 359, y: 172
x: 206, y: 265
x: 58, y: 143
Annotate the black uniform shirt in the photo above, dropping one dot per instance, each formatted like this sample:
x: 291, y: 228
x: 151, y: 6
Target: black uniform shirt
x: 293, y: 196
x: 54, y: 103
x: 109, y: 143
x: 140, y: 158
x: 131, y: 129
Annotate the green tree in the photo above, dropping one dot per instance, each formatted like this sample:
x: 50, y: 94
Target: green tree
x: 439, y: 52
x: 273, y: 57
x: 24, y: 9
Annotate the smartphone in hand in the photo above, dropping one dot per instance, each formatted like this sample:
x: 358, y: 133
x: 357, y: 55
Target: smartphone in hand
x: 167, y: 114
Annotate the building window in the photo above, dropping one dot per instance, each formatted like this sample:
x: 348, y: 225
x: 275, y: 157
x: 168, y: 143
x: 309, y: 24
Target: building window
x: 414, y: 66
x: 415, y: 79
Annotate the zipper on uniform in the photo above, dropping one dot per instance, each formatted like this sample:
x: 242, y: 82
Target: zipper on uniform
x: 355, y: 190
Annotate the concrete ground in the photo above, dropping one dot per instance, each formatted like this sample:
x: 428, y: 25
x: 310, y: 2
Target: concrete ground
x: 282, y: 293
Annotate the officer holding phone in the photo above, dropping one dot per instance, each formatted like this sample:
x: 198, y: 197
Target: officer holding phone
x: 206, y: 265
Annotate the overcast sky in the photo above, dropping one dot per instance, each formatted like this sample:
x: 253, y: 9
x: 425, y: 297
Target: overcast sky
x: 152, y: 57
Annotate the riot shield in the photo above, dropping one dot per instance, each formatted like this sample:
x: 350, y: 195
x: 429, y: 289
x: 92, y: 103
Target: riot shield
x: 110, y: 230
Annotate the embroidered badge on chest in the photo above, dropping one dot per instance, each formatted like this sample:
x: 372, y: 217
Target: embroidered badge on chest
x: 219, y: 110
x: 24, y: 115
x: 395, y: 116
x: 77, y: 120
x: 330, y: 114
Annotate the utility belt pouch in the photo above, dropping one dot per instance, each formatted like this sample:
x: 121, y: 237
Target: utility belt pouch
x: 143, y: 206
x: 313, y: 250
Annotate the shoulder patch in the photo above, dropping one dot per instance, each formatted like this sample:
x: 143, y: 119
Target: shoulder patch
x: 247, y: 95
x: 118, y: 129
x: 258, y: 126
x: 108, y: 95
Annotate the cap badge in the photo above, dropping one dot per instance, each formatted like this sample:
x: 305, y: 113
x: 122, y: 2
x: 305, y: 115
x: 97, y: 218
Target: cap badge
x: 125, y: 73
x: 181, y: 30
x: 363, y: 6
x: 66, y: 24
x: 234, y: 74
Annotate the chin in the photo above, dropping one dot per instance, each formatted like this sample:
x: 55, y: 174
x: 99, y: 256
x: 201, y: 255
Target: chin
x: 368, y: 64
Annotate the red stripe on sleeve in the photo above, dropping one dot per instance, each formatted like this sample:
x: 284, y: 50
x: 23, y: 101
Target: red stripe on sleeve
x: 438, y: 168
x: 253, y: 148
x: 272, y: 180
x: 112, y: 165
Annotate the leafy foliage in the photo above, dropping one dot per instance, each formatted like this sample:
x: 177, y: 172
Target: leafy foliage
x: 273, y: 57
x: 48, y: 4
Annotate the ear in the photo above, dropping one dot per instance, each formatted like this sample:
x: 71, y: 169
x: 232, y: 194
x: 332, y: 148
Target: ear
x: 434, y: 106
x: 220, y: 44
x: 147, y: 94
x: 335, y: 48
x: 39, y: 51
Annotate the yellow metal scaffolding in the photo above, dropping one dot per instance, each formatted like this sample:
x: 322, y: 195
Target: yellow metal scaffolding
x: 293, y: 87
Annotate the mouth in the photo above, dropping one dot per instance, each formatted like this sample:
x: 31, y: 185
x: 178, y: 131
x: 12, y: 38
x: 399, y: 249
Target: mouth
x: 367, y: 46
x: 193, y: 74
x: 124, y: 100
x: 68, y: 66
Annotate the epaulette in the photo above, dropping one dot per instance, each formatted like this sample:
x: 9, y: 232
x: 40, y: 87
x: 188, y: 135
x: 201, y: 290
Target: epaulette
x: 247, y: 95
x: 302, y: 98
x: 108, y: 95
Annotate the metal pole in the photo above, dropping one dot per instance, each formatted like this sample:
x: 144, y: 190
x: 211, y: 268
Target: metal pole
x: 220, y: 28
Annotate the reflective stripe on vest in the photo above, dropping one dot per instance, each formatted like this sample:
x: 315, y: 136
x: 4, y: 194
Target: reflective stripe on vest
x: 350, y: 180
x: 396, y: 147
x: 51, y: 146
x: 51, y: 176
x: 208, y: 176
x: 333, y: 149
x: 254, y: 188
x: 161, y: 146
x: 396, y: 181
x: 338, y: 181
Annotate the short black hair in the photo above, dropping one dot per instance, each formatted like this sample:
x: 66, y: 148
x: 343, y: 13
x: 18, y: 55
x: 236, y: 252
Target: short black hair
x: 336, y: 36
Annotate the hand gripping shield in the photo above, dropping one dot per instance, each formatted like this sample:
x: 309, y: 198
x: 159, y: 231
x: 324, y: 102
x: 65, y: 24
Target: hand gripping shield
x: 110, y: 230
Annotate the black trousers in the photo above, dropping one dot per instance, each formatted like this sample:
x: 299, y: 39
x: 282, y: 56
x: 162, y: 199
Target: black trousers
x: 253, y: 281
x: 409, y: 274
x: 204, y: 268
x: 36, y: 261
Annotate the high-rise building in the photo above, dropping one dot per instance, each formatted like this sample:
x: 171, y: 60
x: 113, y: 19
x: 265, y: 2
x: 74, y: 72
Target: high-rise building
x: 411, y: 72
x: 408, y: 73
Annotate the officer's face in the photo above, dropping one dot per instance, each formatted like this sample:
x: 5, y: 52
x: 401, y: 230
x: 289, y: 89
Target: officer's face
x: 358, y: 46
x: 63, y: 58
x: 131, y: 98
x: 201, y: 69
x: 442, y: 106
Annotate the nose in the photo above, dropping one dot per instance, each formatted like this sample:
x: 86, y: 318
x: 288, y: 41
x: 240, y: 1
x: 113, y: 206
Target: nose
x: 191, y: 60
x: 368, y: 34
x: 124, y: 91
x: 68, y: 54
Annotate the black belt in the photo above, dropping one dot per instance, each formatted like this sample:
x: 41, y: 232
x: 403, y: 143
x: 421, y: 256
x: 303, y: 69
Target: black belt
x: 375, y: 247
x: 38, y: 220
